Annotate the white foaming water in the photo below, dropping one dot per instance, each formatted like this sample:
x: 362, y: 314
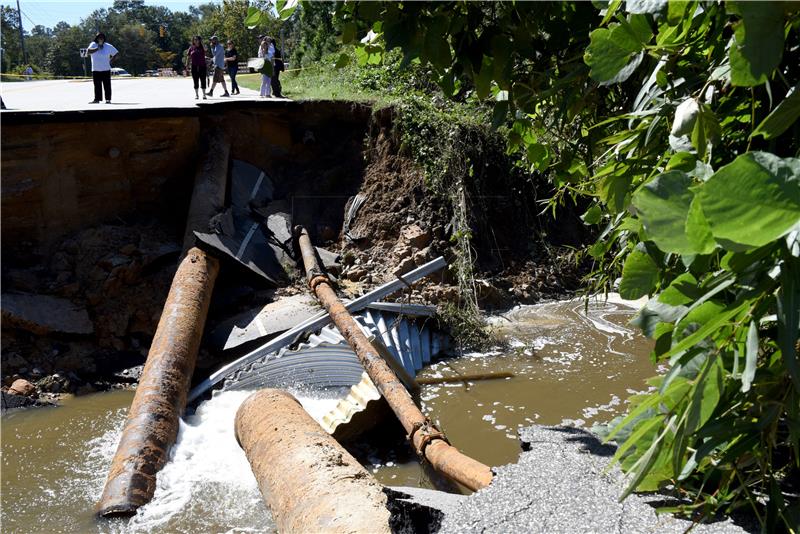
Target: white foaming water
x: 208, y: 486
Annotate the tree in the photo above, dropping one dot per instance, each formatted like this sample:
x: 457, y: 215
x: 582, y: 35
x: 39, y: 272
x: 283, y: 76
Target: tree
x: 62, y: 57
x: 137, y: 48
x: 9, y: 39
x: 316, y: 32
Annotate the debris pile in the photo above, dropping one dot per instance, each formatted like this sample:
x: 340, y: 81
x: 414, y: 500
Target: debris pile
x: 88, y: 311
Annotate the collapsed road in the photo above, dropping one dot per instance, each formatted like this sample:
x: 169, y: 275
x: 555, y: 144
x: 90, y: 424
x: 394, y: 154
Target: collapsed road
x: 109, y: 247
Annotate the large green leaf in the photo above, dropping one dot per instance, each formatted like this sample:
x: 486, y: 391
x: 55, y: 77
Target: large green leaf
x: 253, y: 18
x: 436, y: 49
x: 705, y: 395
x: 663, y: 205
x: 349, y: 31
x: 782, y: 117
x: 706, y: 130
x: 671, y: 215
x: 757, y: 45
x: 613, y: 189
x: 285, y: 8
x: 753, y: 200
x: 613, y: 54
x: 639, y: 275
x: 698, y: 232
x: 484, y: 78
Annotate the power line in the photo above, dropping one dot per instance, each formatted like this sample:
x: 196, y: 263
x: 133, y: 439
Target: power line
x: 27, y: 17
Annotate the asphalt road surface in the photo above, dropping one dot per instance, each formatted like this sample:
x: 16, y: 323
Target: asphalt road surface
x: 127, y: 93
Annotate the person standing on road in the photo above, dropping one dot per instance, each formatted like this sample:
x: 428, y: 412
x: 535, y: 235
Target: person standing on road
x: 102, y: 54
x: 196, y: 59
x: 232, y: 62
x: 218, y: 56
x: 277, y: 68
x: 266, y: 51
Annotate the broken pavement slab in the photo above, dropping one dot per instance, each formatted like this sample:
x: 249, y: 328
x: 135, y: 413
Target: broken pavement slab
x: 45, y: 314
x: 263, y: 321
x: 560, y: 485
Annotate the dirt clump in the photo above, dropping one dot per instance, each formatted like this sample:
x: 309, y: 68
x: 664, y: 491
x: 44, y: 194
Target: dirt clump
x: 519, y: 257
x: 87, y: 307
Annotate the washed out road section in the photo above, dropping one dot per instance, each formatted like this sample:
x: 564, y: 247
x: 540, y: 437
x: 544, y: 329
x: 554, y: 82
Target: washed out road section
x: 127, y: 93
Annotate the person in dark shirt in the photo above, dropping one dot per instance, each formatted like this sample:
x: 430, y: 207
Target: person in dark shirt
x: 232, y: 63
x: 196, y: 58
x: 277, y: 67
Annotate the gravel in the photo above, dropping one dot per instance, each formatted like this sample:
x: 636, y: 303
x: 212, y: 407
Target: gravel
x: 560, y: 485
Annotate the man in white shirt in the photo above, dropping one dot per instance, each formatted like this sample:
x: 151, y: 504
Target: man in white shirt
x: 102, y: 54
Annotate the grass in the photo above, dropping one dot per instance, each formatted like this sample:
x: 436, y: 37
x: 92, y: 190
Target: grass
x: 319, y: 83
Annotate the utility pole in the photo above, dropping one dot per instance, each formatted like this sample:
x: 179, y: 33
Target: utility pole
x: 21, y: 35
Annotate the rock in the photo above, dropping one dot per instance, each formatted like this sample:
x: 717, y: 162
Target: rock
x: 331, y: 261
x: 490, y: 296
x: 129, y: 375
x: 129, y: 250
x: 109, y: 263
x: 356, y: 274
x: 348, y: 259
x: 402, y: 252
x: 404, y: 266
x: 421, y: 257
x: 326, y: 233
x: 416, y: 236
x: 13, y: 360
x: 22, y: 280
x: 22, y: 387
x: 60, y: 262
x: 10, y: 401
x: 43, y: 314
x: 55, y: 383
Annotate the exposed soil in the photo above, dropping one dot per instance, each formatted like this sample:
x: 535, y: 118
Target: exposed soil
x: 118, y: 274
x: 402, y: 224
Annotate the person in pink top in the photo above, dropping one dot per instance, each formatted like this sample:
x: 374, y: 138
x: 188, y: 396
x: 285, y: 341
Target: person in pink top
x: 196, y: 57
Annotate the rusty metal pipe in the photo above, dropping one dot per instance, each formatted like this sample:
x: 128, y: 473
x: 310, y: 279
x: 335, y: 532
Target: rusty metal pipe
x: 152, y: 424
x: 429, y: 442
x: 309, y: 481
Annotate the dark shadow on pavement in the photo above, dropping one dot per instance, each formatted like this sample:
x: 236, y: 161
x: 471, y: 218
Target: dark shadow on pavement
x: 588, y: 441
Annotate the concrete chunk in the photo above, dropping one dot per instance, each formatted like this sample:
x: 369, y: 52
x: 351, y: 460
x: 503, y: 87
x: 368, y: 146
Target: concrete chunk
x: 44, y: 314
x: 264, y: 321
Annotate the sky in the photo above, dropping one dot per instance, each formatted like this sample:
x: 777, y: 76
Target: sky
x: 49, y: 13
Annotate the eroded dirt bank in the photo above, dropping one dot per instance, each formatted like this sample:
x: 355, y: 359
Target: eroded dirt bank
x: 91, y: 231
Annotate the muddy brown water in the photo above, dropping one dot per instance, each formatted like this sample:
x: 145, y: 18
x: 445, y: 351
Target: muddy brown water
x: 567, y: 363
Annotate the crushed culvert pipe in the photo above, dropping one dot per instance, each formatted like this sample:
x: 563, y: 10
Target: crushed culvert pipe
x: 309, y: 482
x: 428, y: 441
x: 152, y: 424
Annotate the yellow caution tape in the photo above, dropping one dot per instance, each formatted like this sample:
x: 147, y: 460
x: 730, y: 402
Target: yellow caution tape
x: 44, y: 76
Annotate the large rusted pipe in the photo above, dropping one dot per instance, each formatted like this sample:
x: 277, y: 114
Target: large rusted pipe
x: 309, y: 481
x: 429, y: 442
x: 152, y: 424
